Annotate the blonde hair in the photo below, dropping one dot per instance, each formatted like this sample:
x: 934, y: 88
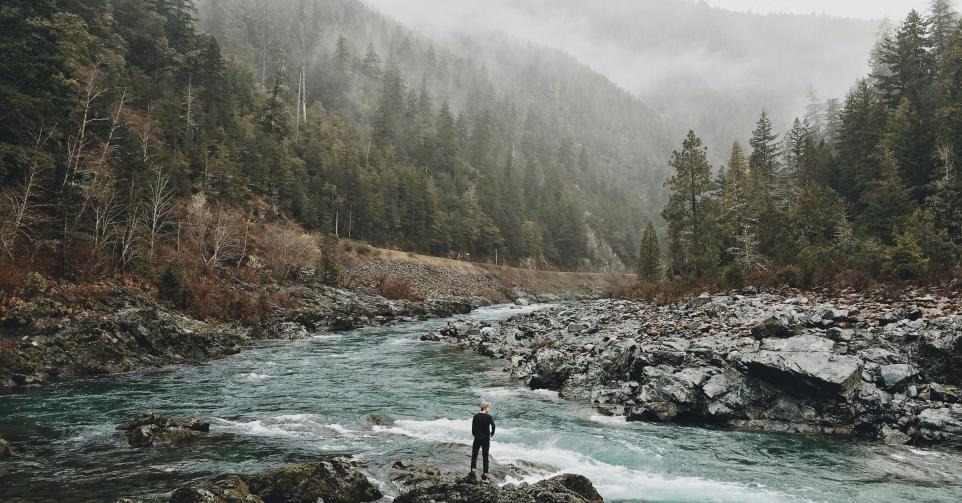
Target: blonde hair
x: 485, y: 406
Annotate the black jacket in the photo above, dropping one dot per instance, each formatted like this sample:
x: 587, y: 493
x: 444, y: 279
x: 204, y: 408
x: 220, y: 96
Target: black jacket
x: 482, y: 426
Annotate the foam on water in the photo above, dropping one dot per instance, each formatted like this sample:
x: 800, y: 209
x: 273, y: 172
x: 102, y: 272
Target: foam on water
x: 613, y: 481
x: 283, y: 426
x: 609, y: 420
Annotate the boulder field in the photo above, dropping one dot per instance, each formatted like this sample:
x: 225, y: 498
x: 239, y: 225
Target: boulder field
x: 845, y: 365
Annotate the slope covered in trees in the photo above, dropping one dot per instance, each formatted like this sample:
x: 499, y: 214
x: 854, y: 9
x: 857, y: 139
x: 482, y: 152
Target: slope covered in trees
x: 863, y: 189
x: 702, y: 67
x: 132, y: 126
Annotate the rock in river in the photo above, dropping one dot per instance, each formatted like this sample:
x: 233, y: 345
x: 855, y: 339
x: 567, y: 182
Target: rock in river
x: 151, y: 429
x: 337, y: 480
x: 433, y: 487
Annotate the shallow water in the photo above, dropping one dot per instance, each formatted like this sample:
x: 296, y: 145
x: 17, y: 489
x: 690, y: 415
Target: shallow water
x: 288, y: 402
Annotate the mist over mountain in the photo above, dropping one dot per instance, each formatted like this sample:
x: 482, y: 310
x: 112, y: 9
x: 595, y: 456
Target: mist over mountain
x: 701, y: 67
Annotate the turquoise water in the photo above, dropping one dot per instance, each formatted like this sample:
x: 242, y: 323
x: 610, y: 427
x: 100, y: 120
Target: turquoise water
x: 289, y: 402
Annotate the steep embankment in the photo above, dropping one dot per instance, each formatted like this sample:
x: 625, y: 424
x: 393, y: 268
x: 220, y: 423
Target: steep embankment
x: 849, y: 365
x: 390, y: 272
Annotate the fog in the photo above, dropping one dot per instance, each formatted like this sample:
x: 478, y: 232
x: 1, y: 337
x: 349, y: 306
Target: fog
x: 861, y: 9
x: 708, y: 68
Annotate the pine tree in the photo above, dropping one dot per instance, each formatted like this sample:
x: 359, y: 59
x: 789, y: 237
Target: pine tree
x: 910, y: 62
x: 649, y: 255
x: 862, y: 122
x: 942, y: 21
x: 764, y: 157
x: 885, y: 201
x: 689, y: 212
x: 388, y: 119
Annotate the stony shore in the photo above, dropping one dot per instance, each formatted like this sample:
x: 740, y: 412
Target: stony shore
x: 847, y: 365
x: 43, y: 340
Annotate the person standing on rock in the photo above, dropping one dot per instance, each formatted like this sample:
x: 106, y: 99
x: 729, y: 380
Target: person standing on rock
x: 482, y: 427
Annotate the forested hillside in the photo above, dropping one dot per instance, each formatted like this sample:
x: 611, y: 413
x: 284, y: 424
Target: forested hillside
x: 862, y: 190
x: 700, y: 67
x: 132, y: 126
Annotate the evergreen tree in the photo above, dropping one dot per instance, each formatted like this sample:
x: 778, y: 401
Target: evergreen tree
x: 942, y: 21
x: 649, y: 255
x: 764, y: 157
x: 862, y: 125
x: 689, y: 212
x: 909, y: 59
x: 34, y: 92
x: 885, y: 201
x: 389, y: 117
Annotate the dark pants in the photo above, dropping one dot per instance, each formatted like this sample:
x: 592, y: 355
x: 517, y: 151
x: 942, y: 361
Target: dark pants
x: 484, y: 444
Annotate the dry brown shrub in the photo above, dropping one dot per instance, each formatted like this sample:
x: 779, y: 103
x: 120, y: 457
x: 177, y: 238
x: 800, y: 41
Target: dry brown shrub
x: 12, y: 279
x: 621, y: 287
x: 398, y: 289
x: 288, y: 251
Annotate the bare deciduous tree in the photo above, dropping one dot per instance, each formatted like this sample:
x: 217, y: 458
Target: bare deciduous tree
x: 216, y: 233
x: 159, y: 202
x: 19, y: 204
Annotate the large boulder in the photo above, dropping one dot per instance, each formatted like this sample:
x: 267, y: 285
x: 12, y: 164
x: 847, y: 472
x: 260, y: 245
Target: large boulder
x: 550, y: 368
x: 333, y: 481
x: 567, y: 488
x: 152, y: 429
x: 805, y: 364
x: 229, y: 489
x: 940, y: 425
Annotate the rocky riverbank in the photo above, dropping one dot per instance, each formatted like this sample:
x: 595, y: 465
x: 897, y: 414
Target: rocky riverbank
x: 801, y: 363
x: 344, y: 480
x: 124, y: 329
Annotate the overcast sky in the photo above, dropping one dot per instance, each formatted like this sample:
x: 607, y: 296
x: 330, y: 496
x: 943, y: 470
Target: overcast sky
x: 867, y: 9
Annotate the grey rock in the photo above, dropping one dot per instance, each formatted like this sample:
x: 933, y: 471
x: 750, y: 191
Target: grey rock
x: 892, y: 375
x: 772, y: 327
x: 151, y: 429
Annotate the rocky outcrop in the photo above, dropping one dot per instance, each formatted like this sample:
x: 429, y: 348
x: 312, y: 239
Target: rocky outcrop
x: 848, y: 365
x: 428, y: 484
x: 337, y: 480
x: 150, y: 430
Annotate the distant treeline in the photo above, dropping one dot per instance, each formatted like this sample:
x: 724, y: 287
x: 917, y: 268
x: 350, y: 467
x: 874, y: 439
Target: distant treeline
x: 862, y: 190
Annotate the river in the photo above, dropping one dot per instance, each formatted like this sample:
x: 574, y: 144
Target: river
x: 289, y: 402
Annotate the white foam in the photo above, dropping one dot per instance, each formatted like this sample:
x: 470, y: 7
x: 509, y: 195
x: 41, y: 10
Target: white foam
x: 921, y: 452
x: 547, y: 393
x: 609, y: 420
x: 325, y: 337
x: 615, y: 482
x: 304, y: 426
x: 255, y: 377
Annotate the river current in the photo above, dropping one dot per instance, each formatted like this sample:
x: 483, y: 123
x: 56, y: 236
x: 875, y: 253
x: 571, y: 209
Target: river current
x: 290, y: 402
